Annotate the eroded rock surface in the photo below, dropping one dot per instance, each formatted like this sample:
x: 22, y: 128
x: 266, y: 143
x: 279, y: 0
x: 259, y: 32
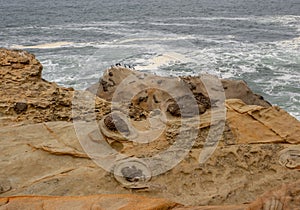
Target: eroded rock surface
x: 253, y: 124
x: 109, y: 89
x: 26, y: 97
x: 285, y: 197
x: 56, y: 141
x: 48, y: 159
x: 95, y: 202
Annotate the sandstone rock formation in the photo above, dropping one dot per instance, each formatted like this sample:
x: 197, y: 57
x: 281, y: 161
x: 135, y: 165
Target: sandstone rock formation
x: 285, y: 197
x: 256, y: 124
x: 26, y: 97
x: 56, y: 141
x: 95, y: 202
x: 48, y: 159
x: 116, y: 79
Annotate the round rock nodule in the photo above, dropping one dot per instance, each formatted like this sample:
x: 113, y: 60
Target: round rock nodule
x: 115, y: 123
x: 174, y: 109
x: 132, y: 173
x: 20, y: 107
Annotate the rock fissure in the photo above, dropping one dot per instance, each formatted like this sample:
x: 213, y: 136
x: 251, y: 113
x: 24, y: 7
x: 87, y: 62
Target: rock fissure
x: 59, y: 151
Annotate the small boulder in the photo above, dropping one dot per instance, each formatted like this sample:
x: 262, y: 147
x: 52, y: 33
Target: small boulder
x: 20, y: 107
x: 115, y: 123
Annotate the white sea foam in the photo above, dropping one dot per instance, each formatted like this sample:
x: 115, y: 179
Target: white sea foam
x: 159, y: 37
x: 79, y: 26
x: 291, y: 43
x: 163, y: 60
x: 284, y: 19
x: 287, y: 20
x: 208, y: 18
x: 173, y: 24
x: 44, y: 46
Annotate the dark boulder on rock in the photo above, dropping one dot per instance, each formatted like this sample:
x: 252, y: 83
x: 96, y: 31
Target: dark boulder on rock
x: 20, y: 107
x: 115, y: 123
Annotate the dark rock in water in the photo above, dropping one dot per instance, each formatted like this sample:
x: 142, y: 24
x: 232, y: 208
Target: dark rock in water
x: 20, y: 107
x: 132, y: 174
x: 115, y: 123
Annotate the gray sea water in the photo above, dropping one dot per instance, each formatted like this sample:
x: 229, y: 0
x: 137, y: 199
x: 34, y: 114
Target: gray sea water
x: 254, y: 40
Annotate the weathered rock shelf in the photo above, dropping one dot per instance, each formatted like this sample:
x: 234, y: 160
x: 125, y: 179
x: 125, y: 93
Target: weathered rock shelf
x: 50, y: 139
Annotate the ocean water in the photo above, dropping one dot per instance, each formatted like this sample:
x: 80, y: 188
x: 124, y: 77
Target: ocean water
x: 256, y: 41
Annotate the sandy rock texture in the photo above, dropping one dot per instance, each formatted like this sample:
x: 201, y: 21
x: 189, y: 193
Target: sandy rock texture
x: 115, y: 82
x: 285, y: 197
x: 26, y: 97
x: 95, y: 202
x: 55, y: 141
x: 48, y: 159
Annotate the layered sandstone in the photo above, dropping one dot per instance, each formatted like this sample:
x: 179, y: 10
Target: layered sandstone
x: 55, y: 141
x: 285, y: 197
x: 25, y: 96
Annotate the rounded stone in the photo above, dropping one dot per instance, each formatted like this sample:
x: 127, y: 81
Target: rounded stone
x: 132, y: 173
x: 115, y: 123
x: 20, y: 107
